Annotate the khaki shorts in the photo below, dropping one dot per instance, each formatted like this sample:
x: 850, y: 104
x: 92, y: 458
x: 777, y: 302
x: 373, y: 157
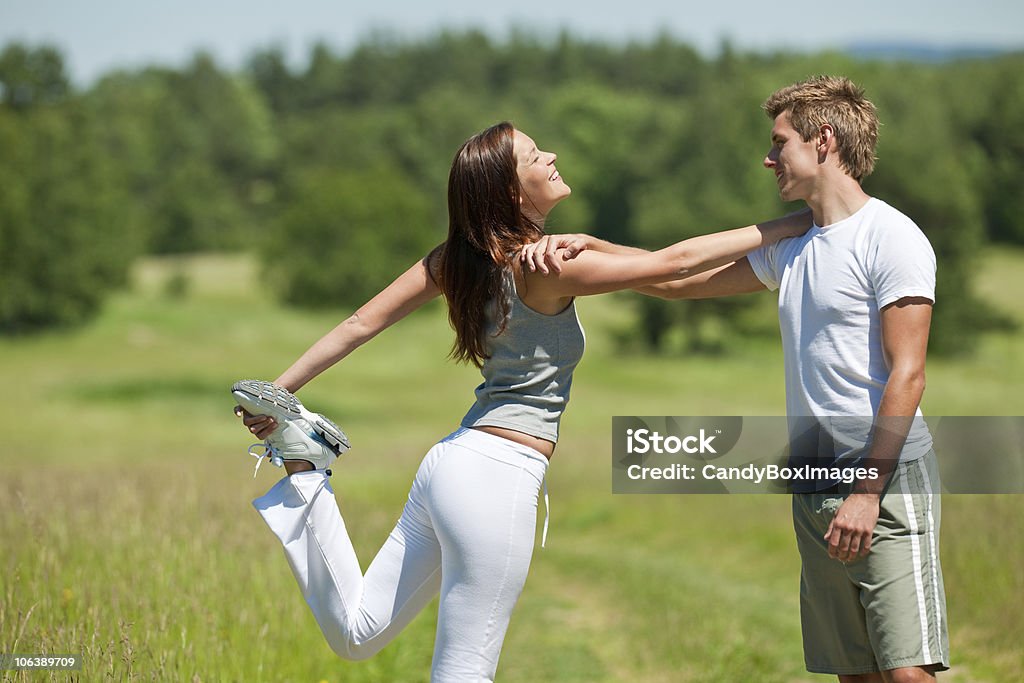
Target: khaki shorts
x: 887, y: 610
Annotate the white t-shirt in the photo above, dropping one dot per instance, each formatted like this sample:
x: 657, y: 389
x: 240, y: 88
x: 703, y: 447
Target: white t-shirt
x: 832, y: 283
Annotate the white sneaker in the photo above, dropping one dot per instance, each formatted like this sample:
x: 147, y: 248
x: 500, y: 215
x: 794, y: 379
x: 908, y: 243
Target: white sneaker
x: 300, y: 434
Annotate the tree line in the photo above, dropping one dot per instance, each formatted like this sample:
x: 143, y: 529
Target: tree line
x: 335, y: 170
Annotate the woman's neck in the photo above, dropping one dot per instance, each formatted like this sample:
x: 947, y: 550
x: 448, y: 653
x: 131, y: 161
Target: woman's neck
x: 537, y: 218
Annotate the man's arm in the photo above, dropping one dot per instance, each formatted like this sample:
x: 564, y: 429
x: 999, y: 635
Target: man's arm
x: 905, y: 326
x: 729, y: 280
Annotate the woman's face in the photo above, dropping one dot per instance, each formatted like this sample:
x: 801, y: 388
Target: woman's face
x: 541, y: 184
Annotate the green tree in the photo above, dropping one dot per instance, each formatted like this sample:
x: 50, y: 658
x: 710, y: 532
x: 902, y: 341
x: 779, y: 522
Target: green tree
x: 344, y: 235
x: 269, y: 73
x: 657, y: 143
x: 935, y: 189
x: 195, y: 148
x: 32, y: 76
x: 65, y: 236
x: 989, y: 99
x: 707, y: 176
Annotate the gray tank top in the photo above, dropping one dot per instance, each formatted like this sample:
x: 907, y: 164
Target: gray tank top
x: 529, y: 372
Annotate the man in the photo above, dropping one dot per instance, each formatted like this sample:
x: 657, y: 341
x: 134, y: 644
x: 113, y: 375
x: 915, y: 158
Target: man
x: 855, y: 302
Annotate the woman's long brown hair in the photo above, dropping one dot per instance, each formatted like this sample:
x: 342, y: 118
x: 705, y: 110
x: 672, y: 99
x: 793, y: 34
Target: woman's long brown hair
x: 486, y: 228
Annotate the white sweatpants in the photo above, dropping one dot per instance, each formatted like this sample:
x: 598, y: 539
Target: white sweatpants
x: 467, y: 529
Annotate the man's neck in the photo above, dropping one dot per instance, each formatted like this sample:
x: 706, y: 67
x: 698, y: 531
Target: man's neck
x: 837, y: 200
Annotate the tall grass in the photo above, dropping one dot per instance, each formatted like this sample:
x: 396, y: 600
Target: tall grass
x: 126, y: 532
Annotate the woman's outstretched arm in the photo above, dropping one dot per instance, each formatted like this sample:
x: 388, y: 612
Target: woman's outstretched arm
x: 409, y: 291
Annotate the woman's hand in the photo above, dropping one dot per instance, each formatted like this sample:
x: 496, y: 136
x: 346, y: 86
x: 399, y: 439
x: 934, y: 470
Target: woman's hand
x: 261, y: 426
x: 543, y: 254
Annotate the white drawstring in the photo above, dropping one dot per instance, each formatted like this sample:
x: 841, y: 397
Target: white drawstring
x: 547, y: 513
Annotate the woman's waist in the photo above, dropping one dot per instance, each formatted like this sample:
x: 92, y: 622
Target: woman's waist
x: 530, y: 425
x: 543, y: 446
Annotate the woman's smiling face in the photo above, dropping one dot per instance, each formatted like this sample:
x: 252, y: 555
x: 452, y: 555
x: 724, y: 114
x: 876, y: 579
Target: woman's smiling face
x: 541, y: 184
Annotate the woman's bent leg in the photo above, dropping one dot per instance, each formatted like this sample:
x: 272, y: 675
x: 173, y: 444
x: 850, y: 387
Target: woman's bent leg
x: 358, y: 615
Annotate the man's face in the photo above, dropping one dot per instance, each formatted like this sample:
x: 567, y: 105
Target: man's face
x: 796, y: 163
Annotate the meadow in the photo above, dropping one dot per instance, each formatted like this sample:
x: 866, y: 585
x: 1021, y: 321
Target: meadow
x: 126, y: 533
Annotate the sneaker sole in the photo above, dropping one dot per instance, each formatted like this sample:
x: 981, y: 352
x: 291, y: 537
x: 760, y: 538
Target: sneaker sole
x: 266, y: 398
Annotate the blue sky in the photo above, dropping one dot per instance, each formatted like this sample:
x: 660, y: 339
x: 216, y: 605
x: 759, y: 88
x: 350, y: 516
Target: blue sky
x: 102, y: 34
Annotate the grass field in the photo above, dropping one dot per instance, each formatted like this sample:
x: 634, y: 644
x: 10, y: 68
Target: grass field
x: 126, y: 533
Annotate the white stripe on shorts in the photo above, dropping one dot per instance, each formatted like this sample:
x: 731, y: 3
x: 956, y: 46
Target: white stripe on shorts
x: 932, y: 556
x: 915, y: 544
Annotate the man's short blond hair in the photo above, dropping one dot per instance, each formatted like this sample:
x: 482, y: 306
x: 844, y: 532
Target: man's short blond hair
x: 839, y: 102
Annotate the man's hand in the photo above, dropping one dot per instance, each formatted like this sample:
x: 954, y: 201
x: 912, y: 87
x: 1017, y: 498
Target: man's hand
x: 543, y: 255
x: 849, y: 533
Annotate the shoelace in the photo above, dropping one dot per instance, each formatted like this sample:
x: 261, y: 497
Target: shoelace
x: 269, y: 452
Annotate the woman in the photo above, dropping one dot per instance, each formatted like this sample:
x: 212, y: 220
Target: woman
x: 468, y: 527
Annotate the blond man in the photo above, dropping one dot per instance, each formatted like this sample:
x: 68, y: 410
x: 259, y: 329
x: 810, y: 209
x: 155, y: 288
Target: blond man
x: 855, y: 302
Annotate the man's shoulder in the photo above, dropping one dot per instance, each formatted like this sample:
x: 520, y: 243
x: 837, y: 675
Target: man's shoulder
x: 787, y: 245
x: 885, y: 216
x: 889, y: 228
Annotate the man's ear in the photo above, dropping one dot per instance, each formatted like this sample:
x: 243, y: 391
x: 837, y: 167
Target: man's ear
x: 826, y: 138
x: 826, y: 134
